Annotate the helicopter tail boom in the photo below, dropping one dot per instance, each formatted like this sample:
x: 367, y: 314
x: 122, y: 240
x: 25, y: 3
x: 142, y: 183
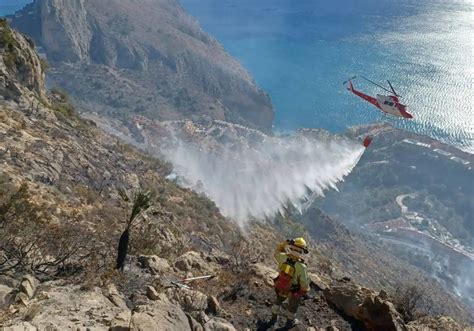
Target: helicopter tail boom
x: 364, y: 96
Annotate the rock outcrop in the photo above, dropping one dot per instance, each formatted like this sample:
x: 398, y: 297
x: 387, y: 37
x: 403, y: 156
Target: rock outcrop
x: 159, y: 315
x: 196, y: 263
x: 156, y: 265
x: 27, y: 289
x: 69, y: 307
x: 366, y: 306
x: 435, y: 323
x: 20, y: 67
x: 4, y: 295
x: 63, y: 307
x: 117, y: 57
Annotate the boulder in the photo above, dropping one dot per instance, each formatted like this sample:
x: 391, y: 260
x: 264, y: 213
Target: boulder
x: 151, y: 293
x: 142, y: 322
x: 264, y: 272
x: 189, y: 300
x: 193, y: 262
x: 114, y: 296
x: 218, y: 324
x: 121, y: 322
x: 28, y: 285
x: 213, y: 323
x: 21, y: 298
x: 317, y: 282
x: 155, y: 265
x: 159, y: 316
x: 364, y: 305
x: 195, y: 326
x: 213, y: 306
x: 4, y: 295
x: 70, y: 308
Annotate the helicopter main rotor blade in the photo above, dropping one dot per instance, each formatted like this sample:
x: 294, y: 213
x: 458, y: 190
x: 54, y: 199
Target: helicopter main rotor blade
x: 354, y: 77
x: 393, y: 90
x: 376, y: 84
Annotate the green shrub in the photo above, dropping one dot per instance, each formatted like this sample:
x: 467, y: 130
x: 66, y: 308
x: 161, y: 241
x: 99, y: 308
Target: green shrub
x: 61, y: 103
x: 60, y: 95
x: 6, y: 36
x: 8, y: 43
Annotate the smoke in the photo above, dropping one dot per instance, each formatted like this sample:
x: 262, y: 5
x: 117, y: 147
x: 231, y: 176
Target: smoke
x: 464, y: 283
x: 456, y: 274
x: 257, y: 180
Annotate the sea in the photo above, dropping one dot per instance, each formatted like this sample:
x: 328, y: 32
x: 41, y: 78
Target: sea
x: 301, y: 51
x: 9, y: 7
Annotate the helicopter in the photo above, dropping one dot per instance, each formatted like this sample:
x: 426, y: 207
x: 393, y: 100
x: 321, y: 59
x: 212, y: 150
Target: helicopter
x: 388, y: 104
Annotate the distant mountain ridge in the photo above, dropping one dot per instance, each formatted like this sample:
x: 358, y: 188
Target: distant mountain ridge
x: 119, y: 58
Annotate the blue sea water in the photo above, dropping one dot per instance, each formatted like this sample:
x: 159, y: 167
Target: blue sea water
x: 8, y: 7
x: 300, y: 52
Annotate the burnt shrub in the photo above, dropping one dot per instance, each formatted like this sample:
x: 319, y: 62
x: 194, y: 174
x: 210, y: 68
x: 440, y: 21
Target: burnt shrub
x: 33, y: 242
x: 412, y: 301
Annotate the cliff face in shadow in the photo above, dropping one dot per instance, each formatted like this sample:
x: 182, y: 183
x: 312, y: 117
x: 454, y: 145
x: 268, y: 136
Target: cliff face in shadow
x: 150, y: 58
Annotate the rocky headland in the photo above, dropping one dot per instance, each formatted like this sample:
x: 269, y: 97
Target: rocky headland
x: 119, y: 59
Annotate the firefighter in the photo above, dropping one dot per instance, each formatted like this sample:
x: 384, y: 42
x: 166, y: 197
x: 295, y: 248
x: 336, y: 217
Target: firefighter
x: 292, y: 282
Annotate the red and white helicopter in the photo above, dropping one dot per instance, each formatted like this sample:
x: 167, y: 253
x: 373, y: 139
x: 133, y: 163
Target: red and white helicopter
x: 388, y: 104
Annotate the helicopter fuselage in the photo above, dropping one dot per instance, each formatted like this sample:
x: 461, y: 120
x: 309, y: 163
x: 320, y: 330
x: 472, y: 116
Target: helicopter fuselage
x: 388, y: 104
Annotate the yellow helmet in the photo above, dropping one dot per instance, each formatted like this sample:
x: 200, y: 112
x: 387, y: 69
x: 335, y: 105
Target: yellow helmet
x: 299, y: 243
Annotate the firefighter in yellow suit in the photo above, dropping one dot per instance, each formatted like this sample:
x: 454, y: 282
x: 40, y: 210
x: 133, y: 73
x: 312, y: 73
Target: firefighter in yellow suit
x: 292, y: 282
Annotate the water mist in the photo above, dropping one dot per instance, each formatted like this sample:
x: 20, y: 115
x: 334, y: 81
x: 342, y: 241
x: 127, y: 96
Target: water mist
x: 258, y: 180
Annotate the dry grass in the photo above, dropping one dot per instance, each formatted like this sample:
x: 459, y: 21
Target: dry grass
x: 27, y: 246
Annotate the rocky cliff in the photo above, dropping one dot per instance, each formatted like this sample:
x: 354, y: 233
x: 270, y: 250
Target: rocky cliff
x: 20, y: 68
x: 150, y: 58
x: 61, y: 215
